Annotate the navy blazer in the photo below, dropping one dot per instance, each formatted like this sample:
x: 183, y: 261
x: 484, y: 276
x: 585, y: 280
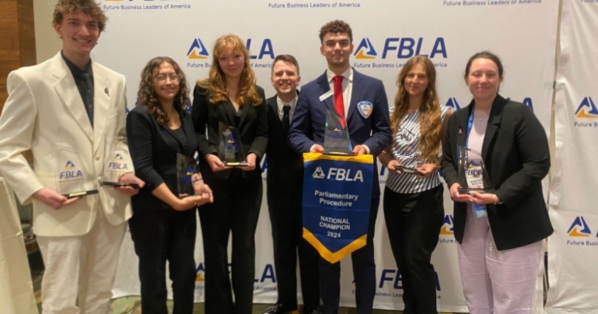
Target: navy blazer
x: 153, y: 149
x: 373, y: 130
x: 515, y: 152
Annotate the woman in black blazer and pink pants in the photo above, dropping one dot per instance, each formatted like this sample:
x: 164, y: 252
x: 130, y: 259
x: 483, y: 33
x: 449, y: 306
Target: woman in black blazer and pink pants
x: 501, y: 235
x: 163, y: 226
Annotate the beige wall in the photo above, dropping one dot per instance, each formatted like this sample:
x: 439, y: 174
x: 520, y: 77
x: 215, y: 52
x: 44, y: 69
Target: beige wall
x: 46, y: 40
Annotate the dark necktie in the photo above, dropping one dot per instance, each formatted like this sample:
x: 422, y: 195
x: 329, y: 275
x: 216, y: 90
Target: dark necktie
x: 88, y: 96
x: 339, y: 105
x: 286, y: 122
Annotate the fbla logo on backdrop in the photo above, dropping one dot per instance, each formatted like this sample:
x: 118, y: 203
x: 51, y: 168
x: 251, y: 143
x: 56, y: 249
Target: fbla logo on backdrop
x: 401, y: 49
x: 447, y: 231
x: 393, y: 277
x: 580, y: 229
x: 585, y: 112
x: 197, y: 51
x: 265, y: 281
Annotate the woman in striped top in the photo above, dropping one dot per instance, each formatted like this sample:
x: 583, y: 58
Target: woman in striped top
x: 413, y: 204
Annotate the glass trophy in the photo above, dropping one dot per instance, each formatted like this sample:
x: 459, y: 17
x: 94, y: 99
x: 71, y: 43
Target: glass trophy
x: 114, y: 166
x: 72, y: 179
x: 230, y: 148
x: 336, y: 135
x: 409, y: 163
x: 187, y: 174
x: 473, y: 176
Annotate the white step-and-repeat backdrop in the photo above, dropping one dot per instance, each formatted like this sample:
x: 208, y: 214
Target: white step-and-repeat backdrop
x: 385, y: 34
x: 573, y: 248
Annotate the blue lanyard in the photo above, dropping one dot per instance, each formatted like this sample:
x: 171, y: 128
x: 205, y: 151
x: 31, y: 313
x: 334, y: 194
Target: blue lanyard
x: 469, y: 124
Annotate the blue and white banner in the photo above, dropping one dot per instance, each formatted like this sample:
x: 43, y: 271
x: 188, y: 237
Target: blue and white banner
x: 337, y: 195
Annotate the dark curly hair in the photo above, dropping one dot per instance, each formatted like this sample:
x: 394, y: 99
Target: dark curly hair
x: 146, y: 96
x: 336, y: 26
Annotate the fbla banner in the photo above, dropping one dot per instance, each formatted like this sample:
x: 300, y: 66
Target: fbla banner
x: 337, y: 192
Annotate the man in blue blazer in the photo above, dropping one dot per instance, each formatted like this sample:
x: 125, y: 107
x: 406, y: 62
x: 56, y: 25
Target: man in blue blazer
x: 362, y: 100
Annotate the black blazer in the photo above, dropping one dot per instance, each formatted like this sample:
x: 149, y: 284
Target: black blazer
x: 153, y: 148
x: 253, y: 129
x: 515, y: 152
x: 285, y: 166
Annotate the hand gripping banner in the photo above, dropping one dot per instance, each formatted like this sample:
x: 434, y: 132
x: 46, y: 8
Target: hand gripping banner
x: 337, y: 192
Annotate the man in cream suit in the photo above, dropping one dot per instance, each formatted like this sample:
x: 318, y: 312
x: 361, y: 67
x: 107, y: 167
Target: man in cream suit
x: 70, y: 112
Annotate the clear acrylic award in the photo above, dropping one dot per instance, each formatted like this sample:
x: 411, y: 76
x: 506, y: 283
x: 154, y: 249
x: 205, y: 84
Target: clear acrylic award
x: 336, y: 136
x: 473, y: 176
x: 230, y: 148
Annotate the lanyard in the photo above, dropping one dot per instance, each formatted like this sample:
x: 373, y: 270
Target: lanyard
x: 469, y: 124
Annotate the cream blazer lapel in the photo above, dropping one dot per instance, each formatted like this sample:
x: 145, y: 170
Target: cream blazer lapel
x: 66, y: 89
x: 101, y: 104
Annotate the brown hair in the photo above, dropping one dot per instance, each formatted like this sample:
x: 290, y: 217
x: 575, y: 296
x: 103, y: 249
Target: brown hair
x: 430, y: 116
x: 89, y: 7
x: 216, y: 83
x: 336, y: 26
x: 486, y: 55
x: 286, y: 58
x: 147, y: 96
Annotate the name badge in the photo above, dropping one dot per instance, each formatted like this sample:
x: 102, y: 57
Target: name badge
x: 326, y: 95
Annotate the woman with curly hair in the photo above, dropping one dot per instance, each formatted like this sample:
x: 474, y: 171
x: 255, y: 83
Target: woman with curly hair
x: 231, y: 97
x: 163, y: 226
x: 413, y: 207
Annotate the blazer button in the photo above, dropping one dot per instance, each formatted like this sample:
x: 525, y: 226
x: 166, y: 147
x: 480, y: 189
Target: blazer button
x: 97, y: 157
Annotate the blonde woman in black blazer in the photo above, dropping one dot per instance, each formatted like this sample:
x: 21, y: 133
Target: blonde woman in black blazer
x: 230, y: 96
x: 500, y: 253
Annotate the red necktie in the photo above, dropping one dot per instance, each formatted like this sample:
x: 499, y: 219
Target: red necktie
x: 339, y: 105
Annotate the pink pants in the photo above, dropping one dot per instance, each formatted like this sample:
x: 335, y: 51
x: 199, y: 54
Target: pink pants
x: 499, y: 282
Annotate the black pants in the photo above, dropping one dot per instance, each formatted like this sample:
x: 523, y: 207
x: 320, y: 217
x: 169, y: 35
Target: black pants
x: 364, y: 273
x: 287, y: 232
x: 161, y: 235
x: 413, y: 222
x: 236, y: 209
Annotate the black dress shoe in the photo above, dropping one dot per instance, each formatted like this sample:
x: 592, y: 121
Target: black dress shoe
x: 279, y: 309
x: 311, y: 311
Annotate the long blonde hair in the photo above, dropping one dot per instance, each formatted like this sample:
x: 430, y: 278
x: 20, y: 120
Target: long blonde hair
x: 430, y: 117
x: 216, y: 83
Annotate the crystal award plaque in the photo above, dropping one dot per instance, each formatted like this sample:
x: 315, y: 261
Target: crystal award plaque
x: 336, y: 136
x: 230, y: 148
x: 473, y: 176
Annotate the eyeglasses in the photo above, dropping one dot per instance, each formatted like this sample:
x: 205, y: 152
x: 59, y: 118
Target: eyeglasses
x: 162, y: 78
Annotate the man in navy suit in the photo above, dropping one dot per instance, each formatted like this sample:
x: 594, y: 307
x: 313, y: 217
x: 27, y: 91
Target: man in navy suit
x: 362, y: 101
x: 284, y: 192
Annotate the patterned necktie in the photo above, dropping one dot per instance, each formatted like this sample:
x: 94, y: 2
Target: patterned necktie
x: 286, y: 123
x: 339, y: 105
x: 88, y: 96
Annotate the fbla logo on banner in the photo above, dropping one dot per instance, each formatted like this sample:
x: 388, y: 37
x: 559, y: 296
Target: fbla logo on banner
x: 401, y: 49
x: 580, y: 229
x: 586, y: 110
x: 447, y: 230
x: 393, y: 277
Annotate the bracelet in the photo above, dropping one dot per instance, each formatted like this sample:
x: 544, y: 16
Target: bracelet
x: 495, y: 199
x: 197, y: 180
